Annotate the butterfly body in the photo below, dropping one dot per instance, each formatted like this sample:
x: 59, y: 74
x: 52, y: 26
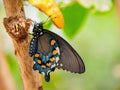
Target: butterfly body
x: 50, y: 51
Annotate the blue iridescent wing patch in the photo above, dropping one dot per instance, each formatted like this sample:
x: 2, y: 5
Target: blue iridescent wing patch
x: 46, y: 56
x: 50, y: 51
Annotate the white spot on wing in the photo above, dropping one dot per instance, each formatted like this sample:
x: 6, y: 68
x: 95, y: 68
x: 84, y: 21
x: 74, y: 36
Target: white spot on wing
x: 53, y: 66
x: 58, y: 50
x: 34, y: 62
x: 57, y: 59
x: 41, y: 33
x: 48, y: 71
x: 61, y: 64
x: 32, y: 42
x: 31, y: 46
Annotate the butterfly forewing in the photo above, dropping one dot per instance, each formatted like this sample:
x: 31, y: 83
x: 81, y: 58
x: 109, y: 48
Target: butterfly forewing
x: 43, y: 44
x: 69, y: 59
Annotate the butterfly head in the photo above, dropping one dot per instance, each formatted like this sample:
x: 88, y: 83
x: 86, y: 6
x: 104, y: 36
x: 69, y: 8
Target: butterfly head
x: 38, y: 29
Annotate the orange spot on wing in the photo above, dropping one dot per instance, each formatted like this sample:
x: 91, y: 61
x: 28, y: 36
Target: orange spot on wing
x: 51, y: 9
x: 43, y: 66
x: 52, y: 42
x: 48, y: 64
x: 52, y: 59
x: 39, y: 61
x: 54, y: 52
x: 37, y: 55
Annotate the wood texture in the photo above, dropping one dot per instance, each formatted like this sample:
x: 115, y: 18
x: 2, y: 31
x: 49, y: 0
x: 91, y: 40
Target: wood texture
x: 13, y: 8
x: 17, y: 27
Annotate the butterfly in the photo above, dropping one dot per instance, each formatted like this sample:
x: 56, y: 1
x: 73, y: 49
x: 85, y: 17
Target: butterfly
x: 50, y: 51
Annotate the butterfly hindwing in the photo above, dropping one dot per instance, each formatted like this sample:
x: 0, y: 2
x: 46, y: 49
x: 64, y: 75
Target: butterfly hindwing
x: 69, y: 59
x: 46, y: 56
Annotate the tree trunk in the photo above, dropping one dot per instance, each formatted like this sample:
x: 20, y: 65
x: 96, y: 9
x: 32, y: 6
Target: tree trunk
x: 17, y: 27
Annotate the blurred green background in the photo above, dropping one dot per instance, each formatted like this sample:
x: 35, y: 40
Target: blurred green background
x: 92, y: 28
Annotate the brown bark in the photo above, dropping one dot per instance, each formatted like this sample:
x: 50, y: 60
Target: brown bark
x: 17, y: 27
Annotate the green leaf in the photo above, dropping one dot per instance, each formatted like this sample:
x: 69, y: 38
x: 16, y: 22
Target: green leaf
x: 100, y: 5
x: 48, y: 24
x: 74, y: 16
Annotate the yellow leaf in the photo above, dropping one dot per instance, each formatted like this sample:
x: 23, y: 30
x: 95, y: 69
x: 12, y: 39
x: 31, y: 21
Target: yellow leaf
x: 51, y: 9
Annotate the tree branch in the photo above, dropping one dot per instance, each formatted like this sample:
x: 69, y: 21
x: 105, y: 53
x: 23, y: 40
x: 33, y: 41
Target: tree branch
x: 13, y: 8
x: 17, y: 27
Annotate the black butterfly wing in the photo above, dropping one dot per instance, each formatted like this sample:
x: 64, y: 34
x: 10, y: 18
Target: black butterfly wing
x: 33, y: 46
x: 69, y: 58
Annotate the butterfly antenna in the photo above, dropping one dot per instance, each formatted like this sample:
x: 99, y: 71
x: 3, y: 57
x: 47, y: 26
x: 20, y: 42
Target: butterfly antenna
x: 44, y: 22
x: 49, y: 18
